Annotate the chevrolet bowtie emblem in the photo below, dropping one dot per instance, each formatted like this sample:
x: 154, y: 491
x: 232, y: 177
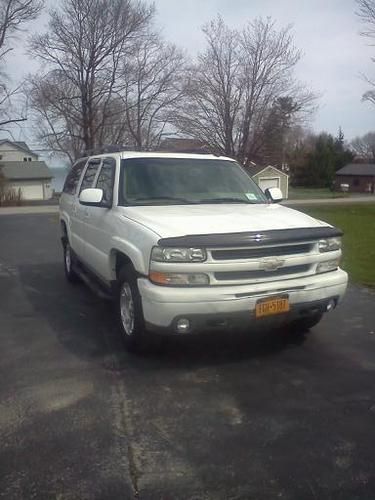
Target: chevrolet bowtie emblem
x: 258, y: 237
x: 271, y: 264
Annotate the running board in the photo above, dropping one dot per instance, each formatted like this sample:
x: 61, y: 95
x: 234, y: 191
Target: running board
x: 94, y: 285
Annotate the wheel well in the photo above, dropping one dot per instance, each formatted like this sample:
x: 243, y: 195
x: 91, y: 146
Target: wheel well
x: 119, y: 260
x: 64, y: 231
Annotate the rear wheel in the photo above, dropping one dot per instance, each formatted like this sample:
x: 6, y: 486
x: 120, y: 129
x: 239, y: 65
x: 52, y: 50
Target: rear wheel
x: 129, y: 311
x: 69, y: 258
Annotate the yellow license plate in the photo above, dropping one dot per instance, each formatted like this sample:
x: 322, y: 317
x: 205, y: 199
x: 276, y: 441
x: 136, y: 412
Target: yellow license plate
x: 269, y: 307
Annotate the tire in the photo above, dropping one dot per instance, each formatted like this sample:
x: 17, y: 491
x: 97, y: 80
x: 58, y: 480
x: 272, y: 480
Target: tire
x: 129, y: 311
x: 69, y: 260
x: 301, y: 326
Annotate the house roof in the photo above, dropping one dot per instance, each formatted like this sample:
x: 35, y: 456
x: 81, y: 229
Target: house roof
x: 22, y: 170
x: 19, y: 145
x: 257, y: 169
x: 364, y: 169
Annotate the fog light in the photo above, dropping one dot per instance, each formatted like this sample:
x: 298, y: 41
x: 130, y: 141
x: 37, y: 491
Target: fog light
x: 183, y: 325
x: 331, y: 305
x: 327, y: 266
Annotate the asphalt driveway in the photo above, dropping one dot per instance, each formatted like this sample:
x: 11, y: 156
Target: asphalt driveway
x: 255, y: 417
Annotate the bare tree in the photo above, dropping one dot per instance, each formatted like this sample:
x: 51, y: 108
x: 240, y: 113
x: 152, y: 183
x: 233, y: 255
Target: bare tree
x: 364, y: 146
x: 366, y: 14
x: 74, y: 101
x: 213, y: 92
x: 152, y: 77
x: 14, y: 14
x: 236, y: 85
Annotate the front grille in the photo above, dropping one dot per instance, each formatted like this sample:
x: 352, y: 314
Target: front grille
x: 259, y: 274
x: 254, y: 253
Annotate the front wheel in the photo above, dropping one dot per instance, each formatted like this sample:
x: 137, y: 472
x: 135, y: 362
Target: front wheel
x: 129, y: 311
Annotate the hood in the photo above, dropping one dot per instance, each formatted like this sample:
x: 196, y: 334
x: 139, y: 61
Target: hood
x: 182, y: 220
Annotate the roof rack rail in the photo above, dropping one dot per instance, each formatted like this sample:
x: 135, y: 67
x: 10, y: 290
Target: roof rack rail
x: 117, y: 148
x: 183, y: 151
x: 107, y: 148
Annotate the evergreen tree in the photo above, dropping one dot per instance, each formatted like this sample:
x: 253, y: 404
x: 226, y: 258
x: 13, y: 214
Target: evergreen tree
x: 342, y: 153
x: 321, y: 162
x: 328, y: 154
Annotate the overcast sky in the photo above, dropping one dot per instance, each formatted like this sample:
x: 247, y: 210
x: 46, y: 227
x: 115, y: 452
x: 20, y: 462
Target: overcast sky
x: 326, y: 31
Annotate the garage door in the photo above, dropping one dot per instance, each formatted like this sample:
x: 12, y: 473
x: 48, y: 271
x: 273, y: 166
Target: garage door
x: 31, y: 190
x: 269, y: 182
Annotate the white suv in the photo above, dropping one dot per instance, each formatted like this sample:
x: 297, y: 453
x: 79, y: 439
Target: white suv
x: 186, y: 243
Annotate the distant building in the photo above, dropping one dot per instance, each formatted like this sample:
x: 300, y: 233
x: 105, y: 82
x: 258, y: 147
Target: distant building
x: 23, y: 171
x: 268, y: 177
x: 16, y: 151
x: 356, y: 178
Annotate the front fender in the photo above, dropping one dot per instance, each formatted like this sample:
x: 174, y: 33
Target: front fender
x: 139, y: 258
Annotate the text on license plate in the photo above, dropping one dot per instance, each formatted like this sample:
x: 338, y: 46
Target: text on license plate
x: 268, y: 307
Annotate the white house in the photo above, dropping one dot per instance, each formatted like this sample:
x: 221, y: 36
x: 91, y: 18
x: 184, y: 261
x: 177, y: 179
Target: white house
x: 23, y: 171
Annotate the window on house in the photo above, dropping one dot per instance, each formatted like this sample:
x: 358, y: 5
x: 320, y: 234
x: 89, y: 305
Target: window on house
x: 355, y: 182
x: 25, y: 159
x: 29, y: 158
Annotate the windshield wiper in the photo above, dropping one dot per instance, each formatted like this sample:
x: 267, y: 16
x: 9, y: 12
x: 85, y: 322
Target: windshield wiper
x: 163, y: 198
x: 226, y: 200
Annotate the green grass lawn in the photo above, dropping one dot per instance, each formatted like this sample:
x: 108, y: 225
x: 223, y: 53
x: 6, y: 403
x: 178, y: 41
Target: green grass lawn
x: 301, y: 193
x: 358, y: 223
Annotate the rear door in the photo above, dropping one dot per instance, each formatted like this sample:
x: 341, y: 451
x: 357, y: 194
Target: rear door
x: 69, y: 201
x: 82, y: 212
x: 99, y: 224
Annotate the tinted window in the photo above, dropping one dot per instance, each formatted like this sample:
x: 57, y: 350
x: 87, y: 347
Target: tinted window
x: 106, y: 179
x: 151, y: 181
x: 90, y: 174
x: 73, y: 177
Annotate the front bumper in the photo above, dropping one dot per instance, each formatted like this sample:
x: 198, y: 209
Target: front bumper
x: 218, y: 307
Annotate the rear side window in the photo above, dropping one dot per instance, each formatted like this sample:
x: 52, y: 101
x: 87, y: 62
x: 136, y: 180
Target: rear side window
x: 106, y: 179
x: 89, y: 177
x: 71, y: 182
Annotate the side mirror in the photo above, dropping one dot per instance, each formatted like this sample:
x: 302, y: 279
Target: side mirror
x: 274, y: 194
x: 91, y: 197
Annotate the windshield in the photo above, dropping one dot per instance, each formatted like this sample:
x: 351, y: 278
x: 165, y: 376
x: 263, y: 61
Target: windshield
x: 178, y: 181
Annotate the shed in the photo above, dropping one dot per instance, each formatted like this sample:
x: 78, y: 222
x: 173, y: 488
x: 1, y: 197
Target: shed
x: 269, y: 176
x: 32, y: 178
x: 359, y: 177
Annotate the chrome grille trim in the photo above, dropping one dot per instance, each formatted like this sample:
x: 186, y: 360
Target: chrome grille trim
x: 259, y: 274
x: 255, y: 253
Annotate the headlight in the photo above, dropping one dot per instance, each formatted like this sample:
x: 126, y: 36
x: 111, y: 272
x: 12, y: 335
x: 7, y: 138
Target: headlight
x: 179, y: 279
x: 329, y: 245
x: 329, y: 265
x: 160, y: 254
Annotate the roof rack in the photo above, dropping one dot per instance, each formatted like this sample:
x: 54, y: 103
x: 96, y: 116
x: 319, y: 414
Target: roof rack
x: 117, y: 148
x: 107, y: 148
